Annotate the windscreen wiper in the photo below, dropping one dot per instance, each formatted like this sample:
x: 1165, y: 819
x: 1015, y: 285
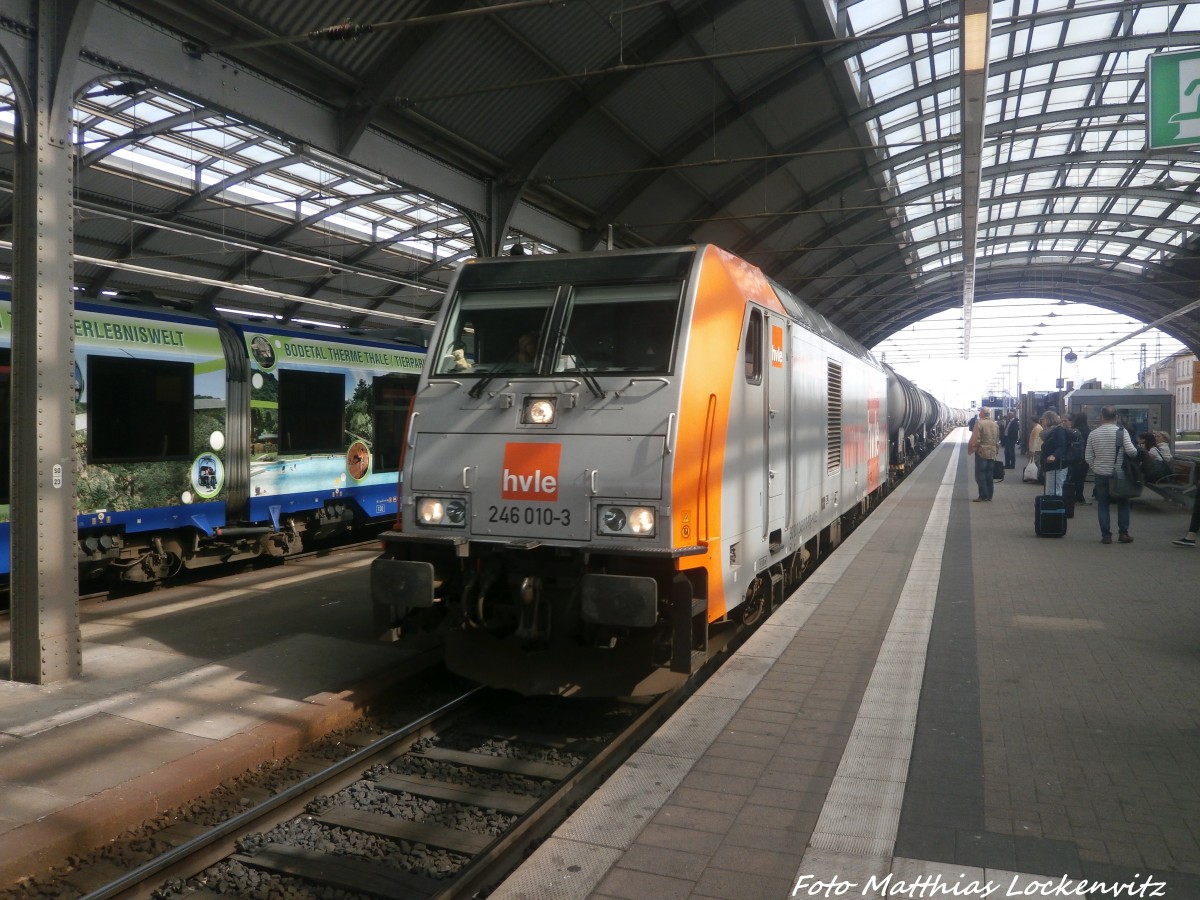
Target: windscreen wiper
x: 584, y: 372
x: 477, y: 391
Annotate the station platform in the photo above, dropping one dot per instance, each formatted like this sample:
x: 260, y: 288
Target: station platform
x: 180, y: 691
x: 948, y: 707
x: 947, y: 702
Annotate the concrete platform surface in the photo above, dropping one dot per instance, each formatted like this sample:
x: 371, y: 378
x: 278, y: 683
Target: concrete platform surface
x: 182, y: 689
x: 949, y: 707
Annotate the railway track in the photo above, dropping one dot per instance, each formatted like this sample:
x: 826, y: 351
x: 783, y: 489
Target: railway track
x: 441, y: 807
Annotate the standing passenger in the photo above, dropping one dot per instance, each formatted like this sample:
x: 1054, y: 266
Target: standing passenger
x: 1078, y: 466
x: 1189, y: 539
x: 1034, y: 446
x: 1101, y: 455
x: 985, y: 442
x: 1009, y: 437
x: 1054, y: 453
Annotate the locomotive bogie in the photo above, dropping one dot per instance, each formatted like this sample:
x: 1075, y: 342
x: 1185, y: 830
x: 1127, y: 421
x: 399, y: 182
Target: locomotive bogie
x: 180, y: 460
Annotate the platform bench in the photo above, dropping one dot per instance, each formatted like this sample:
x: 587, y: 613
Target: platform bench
x: 1180, y: 486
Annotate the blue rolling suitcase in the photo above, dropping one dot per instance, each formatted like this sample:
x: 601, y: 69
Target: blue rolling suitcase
x: 1049, y: 516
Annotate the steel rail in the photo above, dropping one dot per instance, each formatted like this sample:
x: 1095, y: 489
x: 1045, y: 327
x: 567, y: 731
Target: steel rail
x: 297, y: 794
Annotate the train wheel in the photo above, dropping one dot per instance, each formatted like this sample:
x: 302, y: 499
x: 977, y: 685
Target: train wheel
x: 797, y: 567
x: 754, y: 608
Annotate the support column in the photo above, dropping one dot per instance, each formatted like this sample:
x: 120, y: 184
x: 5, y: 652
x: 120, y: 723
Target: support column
x: 46, y: 643
x: 502, y: 203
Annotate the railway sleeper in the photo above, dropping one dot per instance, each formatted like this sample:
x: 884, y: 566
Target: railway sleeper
x: 341, y: 871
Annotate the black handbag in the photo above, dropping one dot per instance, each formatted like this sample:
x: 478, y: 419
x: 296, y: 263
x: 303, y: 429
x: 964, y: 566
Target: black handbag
x: 997, y: 470
x: 1127, y: 479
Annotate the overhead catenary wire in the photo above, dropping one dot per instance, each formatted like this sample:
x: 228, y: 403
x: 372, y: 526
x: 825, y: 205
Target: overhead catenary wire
x: 626, y: 68
x: 345, y: 31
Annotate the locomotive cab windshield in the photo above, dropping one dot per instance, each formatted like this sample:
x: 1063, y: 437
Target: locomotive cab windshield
x: 582, y: 329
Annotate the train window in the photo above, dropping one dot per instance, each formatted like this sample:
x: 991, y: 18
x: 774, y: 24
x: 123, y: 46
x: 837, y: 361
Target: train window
x: 754, y: 347
x: 833, y: 406
x: 619, y: 328
x: 138, y: 410
x: 490, y: 330
x: 312, y: 410
x: 392, y: 396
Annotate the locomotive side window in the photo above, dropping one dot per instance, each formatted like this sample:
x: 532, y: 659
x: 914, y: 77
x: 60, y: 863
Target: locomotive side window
x: 753, y: 340
x: 392, y: 398
x: 621, y: 328
x: 490, y: 330
x: 138, y: 410
x: 312, y: 411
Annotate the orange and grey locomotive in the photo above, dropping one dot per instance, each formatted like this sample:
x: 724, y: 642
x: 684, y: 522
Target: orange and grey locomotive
x: 610, y: 453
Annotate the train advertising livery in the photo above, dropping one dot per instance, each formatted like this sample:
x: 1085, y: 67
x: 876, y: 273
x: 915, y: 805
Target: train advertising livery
x: 316, y: 406
x: 159, y: 392
x: 270, y: 350
x: 115, y: 333
x: 151, y: 400
x: 208, y: 475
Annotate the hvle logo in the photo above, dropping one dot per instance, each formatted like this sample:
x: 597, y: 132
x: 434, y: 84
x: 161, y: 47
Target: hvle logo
x: 530, y: 472
x: 776, y: 347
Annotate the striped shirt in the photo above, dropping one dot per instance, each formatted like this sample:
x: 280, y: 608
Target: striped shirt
x: 1101, y: 452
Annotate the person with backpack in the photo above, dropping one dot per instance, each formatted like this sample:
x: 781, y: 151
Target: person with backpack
x: 1107, y: 443
x: 1077, y: 467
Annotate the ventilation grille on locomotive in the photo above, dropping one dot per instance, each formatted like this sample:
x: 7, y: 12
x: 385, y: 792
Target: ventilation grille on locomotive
x: 833, y: 449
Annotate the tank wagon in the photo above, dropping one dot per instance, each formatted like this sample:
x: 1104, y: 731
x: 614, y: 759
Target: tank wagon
x: 610, y: 452
x: 199, y: 441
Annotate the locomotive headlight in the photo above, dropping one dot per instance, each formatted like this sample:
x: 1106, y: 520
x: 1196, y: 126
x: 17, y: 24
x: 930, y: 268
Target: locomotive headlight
x: 630, y: 521
x: 439, y: 511
x: 613, y: 518
x: 641, y: 520
x: 538, y: 411
x: 456, y: 512
x: 430, y: 511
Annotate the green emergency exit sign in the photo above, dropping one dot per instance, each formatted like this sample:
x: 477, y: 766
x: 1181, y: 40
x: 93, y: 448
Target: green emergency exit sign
x: 1173, y: 99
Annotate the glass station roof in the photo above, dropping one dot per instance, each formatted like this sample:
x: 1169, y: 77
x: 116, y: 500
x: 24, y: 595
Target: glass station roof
x: 313, y: 209
x: 1066, y: 177
x: 1065, y: 169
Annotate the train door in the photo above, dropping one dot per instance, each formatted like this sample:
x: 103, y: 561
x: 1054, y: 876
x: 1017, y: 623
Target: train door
x: 778, y: 423
x: 755, y: 429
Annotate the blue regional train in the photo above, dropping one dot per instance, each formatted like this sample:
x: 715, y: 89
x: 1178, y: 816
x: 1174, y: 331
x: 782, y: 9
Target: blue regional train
x: 201, y: 441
